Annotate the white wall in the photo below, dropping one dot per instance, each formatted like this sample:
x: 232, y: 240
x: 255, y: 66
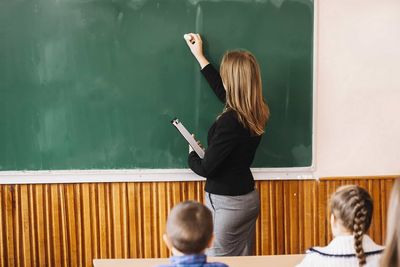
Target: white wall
x: 358, y: 88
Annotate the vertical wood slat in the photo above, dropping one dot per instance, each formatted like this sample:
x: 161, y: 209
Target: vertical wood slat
x: 7, y: 220
x: 71, y: 251
x: 3, y: 239
x: 70, y: 224
x: 55, y: 225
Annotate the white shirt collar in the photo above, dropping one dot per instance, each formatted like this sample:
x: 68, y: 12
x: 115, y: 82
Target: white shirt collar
x: 344, y: 245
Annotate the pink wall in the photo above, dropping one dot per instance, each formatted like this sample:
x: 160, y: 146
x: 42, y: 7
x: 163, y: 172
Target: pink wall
x: 358, y: 88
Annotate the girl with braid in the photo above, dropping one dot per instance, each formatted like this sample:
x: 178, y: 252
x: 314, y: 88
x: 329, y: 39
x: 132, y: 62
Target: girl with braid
x: 351, y: 213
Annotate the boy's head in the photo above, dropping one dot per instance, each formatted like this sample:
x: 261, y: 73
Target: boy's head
x: 189, y: 228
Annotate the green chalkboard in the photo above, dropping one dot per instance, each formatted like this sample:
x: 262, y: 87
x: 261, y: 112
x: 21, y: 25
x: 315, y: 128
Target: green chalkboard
x: 93, y: 84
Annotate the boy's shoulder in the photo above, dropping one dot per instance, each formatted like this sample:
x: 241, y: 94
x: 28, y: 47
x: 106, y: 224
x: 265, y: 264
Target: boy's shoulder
x: 215, y: 264
x: 192, y: 261
x: 207, y: 264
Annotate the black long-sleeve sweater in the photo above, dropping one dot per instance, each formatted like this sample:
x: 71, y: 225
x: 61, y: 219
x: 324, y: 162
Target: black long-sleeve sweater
x: 230, y: 152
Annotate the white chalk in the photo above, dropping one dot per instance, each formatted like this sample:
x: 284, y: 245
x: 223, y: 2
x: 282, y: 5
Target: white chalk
x: 187, y: 37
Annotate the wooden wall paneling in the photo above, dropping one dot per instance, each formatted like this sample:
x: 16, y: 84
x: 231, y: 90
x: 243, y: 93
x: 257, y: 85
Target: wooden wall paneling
x: 315, y: 215
x: 307, y: 206
x: 162, y: 212
x: 17, y: 229
x: 301, y: 205
x: 373, y: 187
x: 264, y: 220
x: 125, y: 205
x: 7, y: 220
x: 109, y: 221
x: 140, y: 215
x: 101, y: 213
x: 321, y: 214
x: 17, y: 225
x: 86, y: 226
x: 71, y: 231
x: 329, y: 187
x: 3, y: 239
x: 10, y: 213
x: 70, y: 224
x: 286, y: 217
x: 278, y: 227
x: 94, y: 219
x: 78, y: 221
x: 63, y: 225
x: 293, y: 217
x: 24, y: 227
x: 56, y: 233
x: 116, y: 222
x: 133, y: 216
x: 386, y: 188
x: 32, y: 224
x: 147, y: 220
x: 156, y: 232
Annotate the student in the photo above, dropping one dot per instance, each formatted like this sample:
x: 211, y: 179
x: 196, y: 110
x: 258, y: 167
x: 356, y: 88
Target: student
x: 351, y: 213
x: 189, y: 232
x: 391, y: 255
x: 232, y: 142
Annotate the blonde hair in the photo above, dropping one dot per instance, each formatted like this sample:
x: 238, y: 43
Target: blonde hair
x: 353, y: 207
x: 391, y: 254
x: 241, y: 76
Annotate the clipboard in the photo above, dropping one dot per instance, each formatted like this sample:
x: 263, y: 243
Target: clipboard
x: 189, y: 138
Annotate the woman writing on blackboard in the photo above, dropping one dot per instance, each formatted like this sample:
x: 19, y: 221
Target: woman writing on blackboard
x: 232, y: 143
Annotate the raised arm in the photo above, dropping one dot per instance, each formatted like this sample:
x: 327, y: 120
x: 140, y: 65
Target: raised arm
x: 214, y: 80
x: 210, y: 73
x: 196, y: 47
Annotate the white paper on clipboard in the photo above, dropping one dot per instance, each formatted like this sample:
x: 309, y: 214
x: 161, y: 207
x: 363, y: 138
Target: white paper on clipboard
x: 189, y: 138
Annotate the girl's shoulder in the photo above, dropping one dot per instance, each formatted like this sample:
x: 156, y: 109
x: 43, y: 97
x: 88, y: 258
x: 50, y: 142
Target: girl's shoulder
x: 340, y: 252
x: 343, y: 246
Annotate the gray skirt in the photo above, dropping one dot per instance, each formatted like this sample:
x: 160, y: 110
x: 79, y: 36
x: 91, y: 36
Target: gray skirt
x: 234, y: 223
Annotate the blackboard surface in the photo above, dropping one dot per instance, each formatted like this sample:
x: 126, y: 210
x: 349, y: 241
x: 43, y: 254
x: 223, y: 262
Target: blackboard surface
x: 94, y: 84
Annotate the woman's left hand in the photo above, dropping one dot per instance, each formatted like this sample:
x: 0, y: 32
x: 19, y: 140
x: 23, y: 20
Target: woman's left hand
x: 198, y: 142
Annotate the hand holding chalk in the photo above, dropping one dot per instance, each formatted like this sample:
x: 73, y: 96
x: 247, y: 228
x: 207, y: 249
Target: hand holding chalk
x: 195, y: 44
x: 196, y: 47
x: 187, y: 37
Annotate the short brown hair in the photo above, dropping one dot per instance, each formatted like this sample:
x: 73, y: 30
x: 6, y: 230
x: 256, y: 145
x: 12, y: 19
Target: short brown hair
x: 189, y: 227
x: 353, y: 206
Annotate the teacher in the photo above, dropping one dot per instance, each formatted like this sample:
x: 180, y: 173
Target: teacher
x: 232, y: 142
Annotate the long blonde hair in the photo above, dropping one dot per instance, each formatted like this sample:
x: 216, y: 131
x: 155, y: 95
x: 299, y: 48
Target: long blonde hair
x: 241, y: 76
x: 353, y: 206
x: 391, y: 254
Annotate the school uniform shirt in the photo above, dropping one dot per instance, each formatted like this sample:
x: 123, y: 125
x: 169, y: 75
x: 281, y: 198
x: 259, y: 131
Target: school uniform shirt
x: 192, y: 261
x: 230, y: 152
x: 341, y: 252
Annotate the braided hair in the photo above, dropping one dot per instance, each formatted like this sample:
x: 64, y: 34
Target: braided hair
x: 353, y: 206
